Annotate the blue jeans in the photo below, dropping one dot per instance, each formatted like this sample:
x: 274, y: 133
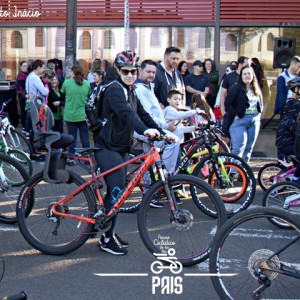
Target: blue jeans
x: 73, y: 128
x: 244, y: 132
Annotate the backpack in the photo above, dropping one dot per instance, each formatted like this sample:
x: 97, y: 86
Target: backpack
x: 94, y: 107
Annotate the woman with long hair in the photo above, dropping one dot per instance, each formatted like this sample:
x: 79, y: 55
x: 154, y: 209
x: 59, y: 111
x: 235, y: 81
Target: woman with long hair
x: 56, y: 101
x: 244, y: 105
x: 183, y: 68
x: 213, y: 76
x: 76, y: 90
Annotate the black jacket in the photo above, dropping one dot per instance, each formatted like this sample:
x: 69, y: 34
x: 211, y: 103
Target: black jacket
x: 286, y: 131
x: 236, y: 103
x: 163, y: 83
x: 52, y: 97
x: 125, y: 115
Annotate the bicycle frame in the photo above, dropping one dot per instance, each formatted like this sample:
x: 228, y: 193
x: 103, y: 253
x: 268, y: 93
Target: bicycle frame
x: 277, y: 177
x: 148, y: 159
x: 193, y: 152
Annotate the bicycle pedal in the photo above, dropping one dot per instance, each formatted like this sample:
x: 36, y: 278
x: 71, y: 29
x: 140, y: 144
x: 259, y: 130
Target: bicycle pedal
x: 94, y: 233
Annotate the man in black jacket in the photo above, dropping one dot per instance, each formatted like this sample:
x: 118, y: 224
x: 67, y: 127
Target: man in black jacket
x: 168, y: 77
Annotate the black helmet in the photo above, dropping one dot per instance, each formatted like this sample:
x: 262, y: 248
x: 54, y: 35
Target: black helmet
x: 295, y: 82
x: 127, y: 59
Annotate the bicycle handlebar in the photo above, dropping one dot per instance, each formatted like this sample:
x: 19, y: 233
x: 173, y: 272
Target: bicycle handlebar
x: 6, y: 102
x: 166, y: 138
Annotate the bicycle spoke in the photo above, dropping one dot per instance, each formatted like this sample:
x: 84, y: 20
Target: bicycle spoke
x: 252, y: 256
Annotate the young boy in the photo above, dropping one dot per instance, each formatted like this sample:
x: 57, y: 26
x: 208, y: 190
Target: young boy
x: 174, y: 113
x: 287, y: 134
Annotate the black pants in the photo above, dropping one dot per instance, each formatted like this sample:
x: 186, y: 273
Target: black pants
x: 22, y: 102
x: 108, y: 159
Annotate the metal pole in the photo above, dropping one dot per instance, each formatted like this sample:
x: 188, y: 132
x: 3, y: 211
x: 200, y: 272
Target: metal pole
x: 71, y: 30
x: 217, y: 36
x: 126, y: 24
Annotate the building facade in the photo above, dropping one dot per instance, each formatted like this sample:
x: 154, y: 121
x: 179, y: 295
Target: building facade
x: 218, y: 29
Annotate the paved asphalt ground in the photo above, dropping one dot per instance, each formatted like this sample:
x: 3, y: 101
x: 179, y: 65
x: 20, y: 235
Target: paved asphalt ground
x: 83, y: 273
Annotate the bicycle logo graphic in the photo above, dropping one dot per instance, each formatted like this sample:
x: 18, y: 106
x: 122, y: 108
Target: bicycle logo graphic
x: 166, y: 284
x: 172, y: 264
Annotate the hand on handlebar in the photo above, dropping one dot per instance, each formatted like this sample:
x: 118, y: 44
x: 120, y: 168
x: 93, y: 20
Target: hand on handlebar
x: 201, y: 112
x: 152, y: 133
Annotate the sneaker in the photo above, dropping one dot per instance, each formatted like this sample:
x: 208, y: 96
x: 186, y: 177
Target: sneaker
x: 112, y: 247
x: 285, y: 163
x: 156, y: 203
x: 70, y: 162
x: 294, y: 179
x: 25, y: 132
x: 182, y: 194
x: 178, y: 200
x: 123, y: 243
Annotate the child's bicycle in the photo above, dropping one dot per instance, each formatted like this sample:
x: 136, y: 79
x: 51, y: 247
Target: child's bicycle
x: 58, y: 211
x: 227, y: 173
x: 284, y: 195
x: 275, y: 172
x: 253, y: 259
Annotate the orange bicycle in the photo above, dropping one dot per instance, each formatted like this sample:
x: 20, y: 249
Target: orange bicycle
x: 59, y: 212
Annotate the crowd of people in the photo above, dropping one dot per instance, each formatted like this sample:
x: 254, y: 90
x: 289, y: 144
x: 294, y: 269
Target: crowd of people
x: 148, y: 98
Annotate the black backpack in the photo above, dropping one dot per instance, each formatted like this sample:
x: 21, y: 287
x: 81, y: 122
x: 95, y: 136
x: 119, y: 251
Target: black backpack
x: 94, y: 106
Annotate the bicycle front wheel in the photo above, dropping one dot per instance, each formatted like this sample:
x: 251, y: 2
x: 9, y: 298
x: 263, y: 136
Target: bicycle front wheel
x: 283, y: 195
x: 238, y: 192
x: 186, y: 228
x: 17, y: 140
x: 12, y: 177
x: 22, y: 158
x: 267, y: 172
x: 45, y: 231
x: 253, y: 259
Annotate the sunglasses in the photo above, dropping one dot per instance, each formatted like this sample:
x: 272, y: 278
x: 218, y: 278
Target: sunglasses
x: 126, y: 72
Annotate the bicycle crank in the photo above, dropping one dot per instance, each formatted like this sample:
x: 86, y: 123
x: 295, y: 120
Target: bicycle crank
x: 103, y: 222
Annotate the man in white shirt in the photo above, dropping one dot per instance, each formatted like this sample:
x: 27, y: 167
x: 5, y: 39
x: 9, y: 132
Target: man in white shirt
x: 145, y: 92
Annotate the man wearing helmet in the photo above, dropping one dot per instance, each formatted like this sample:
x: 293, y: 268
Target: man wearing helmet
x: 286, y: 131
x: 124, y: 114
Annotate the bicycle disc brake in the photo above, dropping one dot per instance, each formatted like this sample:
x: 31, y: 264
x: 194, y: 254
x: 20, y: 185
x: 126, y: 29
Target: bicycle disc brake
x: 182, y: 220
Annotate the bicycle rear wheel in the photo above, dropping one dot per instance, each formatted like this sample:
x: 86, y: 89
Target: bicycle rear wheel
x: 186, y: 229
x: 242, y: 185
x: 43, y: 230
x: 266, y: 172
x: 12, y: 177
x: 250, y: 253
x: 279, y: 195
